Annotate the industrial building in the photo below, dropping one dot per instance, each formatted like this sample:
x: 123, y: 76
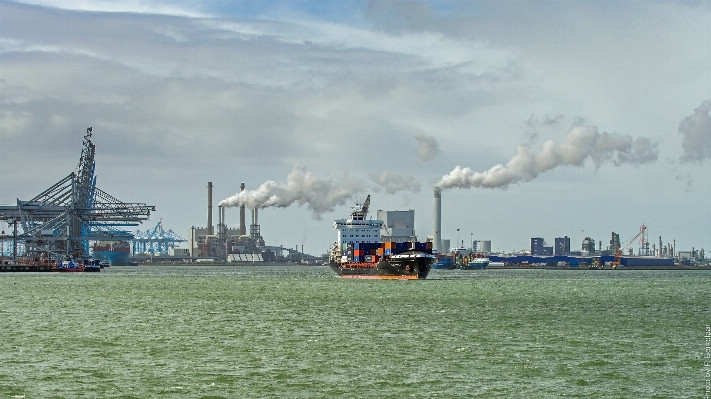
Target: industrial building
x: 219, y: 243
x: 562, y: 246
x: 539, y: 248
x: 561, y: 253
x: 398, y: 226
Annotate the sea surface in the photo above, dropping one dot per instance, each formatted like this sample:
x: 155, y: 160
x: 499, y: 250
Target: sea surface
x: 301, y: 332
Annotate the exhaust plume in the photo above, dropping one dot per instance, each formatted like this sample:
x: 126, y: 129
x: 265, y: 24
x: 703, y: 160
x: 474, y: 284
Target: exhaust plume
x: 581, y: 142
x: 393, y: 182
x: 319, y: 195
x: 429, y: 147
x: 696, y: 129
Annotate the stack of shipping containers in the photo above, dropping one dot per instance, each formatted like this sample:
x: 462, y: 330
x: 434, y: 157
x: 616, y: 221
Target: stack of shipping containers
x: 372, y: 252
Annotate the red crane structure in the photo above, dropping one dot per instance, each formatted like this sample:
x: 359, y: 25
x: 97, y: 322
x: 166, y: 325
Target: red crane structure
x: 618, y: 250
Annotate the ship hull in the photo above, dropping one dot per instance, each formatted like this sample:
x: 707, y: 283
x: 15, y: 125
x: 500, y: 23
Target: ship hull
x: 115, y: 258
x: 408, y: 265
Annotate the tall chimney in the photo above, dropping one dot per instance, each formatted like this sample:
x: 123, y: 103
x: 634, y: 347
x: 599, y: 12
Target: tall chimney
x: 220, y: 219
x: 242, y: 226
x: 209, y: 208
x: 437, y: 245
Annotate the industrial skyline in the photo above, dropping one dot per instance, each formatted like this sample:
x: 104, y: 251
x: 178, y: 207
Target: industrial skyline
x: 536, y: 119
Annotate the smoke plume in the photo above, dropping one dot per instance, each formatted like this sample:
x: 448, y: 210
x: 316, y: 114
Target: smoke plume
x: 696, y: 129
x: 429, y: 147
x: 581, y: 142
x: 302, y: 188
x: 393, y: 182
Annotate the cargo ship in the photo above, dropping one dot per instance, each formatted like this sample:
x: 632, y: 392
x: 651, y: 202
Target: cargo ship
x: 113, y: 252
x: 359, y: 252
x: 445, y: 263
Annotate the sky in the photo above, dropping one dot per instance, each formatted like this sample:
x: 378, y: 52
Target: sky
x: 536, y: 118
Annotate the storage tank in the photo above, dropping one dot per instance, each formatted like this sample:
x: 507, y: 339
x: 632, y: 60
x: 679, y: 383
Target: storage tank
x: 445, y: 246
x: 485, y: 246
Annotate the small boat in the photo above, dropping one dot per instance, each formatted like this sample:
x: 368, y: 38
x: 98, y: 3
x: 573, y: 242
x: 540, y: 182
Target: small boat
x: 478, y: 264
x: 92, y: 268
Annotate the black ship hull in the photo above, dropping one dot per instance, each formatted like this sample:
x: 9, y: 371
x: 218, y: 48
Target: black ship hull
x: 408, y: 265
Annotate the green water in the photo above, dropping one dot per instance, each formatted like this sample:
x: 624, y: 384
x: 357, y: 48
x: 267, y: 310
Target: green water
x: 301, y: 332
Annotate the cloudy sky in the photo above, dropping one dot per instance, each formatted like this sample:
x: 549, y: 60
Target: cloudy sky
x: 536, y: 118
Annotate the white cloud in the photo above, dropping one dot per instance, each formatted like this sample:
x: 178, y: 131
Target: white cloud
x: 696, y: 132
x: 172, y: 8
x: 428, y: 147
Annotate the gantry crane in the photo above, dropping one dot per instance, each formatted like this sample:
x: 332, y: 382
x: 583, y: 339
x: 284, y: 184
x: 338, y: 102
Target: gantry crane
x: 156, y: 241
x: 618, y: 250
x: 65, y: 217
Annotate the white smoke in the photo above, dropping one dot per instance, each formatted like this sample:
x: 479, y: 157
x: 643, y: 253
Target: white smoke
x: 302, y: 188
x: 696, y: 129
x: 319, y: 195
x: 392, y: 182
x: 428, y: 148
x: 581, y: 142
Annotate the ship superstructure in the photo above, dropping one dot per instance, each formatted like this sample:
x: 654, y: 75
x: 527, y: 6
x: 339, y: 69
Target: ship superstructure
x: 357, y: 229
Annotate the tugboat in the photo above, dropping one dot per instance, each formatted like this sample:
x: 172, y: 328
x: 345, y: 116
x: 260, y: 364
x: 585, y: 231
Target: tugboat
x: 92, y: 265
x: 358, y: 253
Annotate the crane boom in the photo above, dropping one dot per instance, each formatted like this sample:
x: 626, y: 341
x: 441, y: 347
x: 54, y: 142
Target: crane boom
x: 618, y: 250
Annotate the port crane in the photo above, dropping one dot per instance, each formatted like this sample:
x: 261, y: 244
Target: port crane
x: 156, y: 241
x: 65, y: 217
x: 618, y: 250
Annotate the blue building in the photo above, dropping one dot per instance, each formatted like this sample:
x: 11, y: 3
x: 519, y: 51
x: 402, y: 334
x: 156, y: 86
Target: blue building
x: 538, y: 247
x: 562, y: 246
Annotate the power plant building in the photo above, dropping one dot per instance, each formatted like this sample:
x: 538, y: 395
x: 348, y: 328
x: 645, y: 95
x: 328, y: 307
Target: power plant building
x: 398, y: 226
x: 208, y: 242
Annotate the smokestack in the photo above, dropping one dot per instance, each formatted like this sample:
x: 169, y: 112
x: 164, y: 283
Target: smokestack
x: 437, y: 245
x: 673, y: 248
x: 220, y: 219
x: 209, y: 208
x: 242, y: 226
